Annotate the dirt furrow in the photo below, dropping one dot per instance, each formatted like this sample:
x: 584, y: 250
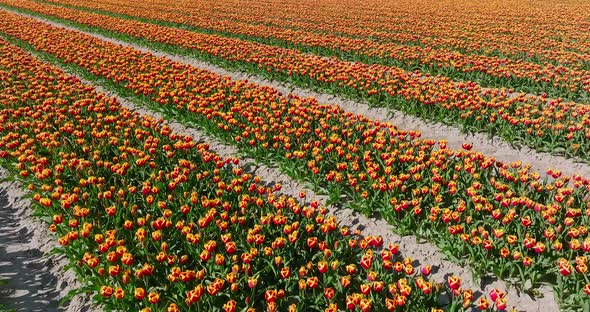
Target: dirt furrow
x: 33, y: 279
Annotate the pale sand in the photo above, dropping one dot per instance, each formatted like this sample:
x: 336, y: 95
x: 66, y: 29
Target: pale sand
x: 35, y: 280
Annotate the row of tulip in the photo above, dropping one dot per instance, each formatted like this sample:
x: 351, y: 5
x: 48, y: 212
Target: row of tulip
x: 471, y: 28
x: 501, y: 215
x: 153, y: 221
x: 488, y: 71
x: 546, y: 125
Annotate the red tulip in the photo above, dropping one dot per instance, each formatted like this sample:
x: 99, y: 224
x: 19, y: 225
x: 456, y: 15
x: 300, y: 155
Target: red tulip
x: 454, y: 282
x: 426, y: 270
x: 345, y: 281
x: 501, y: 304
x: 230, y: 306
x: 483, y: 303
x: 106, y: 291
x: 390, y: 304
x: 350, y: 303
x: 329, y: 293
x: 366, y: 305
x: 312, y: 282
x: 400, y: 300
x: 139, y: 293
x: 270, y: 295
x: 496, y: 293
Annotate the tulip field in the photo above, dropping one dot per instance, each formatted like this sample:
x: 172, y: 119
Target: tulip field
x: 537, y: 120
x: 152, y: 220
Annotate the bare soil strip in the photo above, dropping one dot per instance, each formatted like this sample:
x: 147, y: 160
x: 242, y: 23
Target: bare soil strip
x: 33, y: 279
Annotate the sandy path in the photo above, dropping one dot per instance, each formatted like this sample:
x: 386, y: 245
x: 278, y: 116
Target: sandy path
x: 35, y: 281
x: 423, y: 253
x: 29, y: 286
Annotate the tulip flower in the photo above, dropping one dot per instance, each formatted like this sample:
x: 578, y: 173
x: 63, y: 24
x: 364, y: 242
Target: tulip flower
x: 454, y: 282
x: 483, y: 303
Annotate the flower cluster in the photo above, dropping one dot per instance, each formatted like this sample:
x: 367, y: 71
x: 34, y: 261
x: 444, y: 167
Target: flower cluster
x: 503, y: 216
x: 543, y: 124
x: 445, y: 59
x: 154, y: 221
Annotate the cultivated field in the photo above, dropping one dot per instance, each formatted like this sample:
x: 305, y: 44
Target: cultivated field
x: 294, y: 156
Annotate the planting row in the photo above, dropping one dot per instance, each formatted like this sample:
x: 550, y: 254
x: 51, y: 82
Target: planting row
x: 529, y: 34
x: 501, y: 216
x: 487, y: 71
x: 546, y: 125
x: 153, y: 221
